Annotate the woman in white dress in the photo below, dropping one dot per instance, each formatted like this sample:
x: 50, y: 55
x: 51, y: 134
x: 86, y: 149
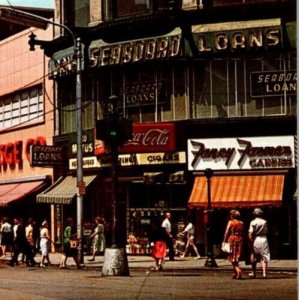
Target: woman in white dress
x: 45, y: 241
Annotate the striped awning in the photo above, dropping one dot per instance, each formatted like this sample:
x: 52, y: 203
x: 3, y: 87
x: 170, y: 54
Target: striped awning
x: 18, y: 190
x: 63, y: 190
x: 238, y: 191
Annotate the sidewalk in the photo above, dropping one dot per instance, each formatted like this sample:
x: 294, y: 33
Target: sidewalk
x: 142, y: 262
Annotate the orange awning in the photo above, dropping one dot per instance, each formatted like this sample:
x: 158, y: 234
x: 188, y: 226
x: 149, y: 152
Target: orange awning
x: 15, y: 191
x: 238, y: 191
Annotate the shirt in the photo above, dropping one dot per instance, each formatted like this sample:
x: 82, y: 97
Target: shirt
x: 258, y: 227
x: 166, y: 224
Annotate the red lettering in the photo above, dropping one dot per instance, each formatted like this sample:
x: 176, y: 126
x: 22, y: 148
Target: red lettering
x: 9, y: 154
x: 18, y: 154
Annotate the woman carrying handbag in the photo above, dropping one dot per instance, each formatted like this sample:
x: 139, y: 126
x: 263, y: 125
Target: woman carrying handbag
x: 234, y: 237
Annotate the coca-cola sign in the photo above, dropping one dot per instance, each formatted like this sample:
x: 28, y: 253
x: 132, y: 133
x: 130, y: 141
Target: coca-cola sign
x: 150, y: 137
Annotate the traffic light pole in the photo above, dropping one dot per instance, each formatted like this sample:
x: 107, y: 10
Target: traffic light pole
x: 114, y: 181
x: 115, y: 258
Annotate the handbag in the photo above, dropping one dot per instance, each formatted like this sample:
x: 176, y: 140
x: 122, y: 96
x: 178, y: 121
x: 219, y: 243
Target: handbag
x: 225, y: 247
x: 74, y: 243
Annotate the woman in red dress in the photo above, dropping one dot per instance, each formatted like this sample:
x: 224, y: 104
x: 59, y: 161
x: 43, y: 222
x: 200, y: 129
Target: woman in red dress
x: 234, y: 236
x: 158, y: 238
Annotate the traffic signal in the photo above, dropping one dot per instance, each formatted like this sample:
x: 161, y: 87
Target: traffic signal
x: 114, y: 130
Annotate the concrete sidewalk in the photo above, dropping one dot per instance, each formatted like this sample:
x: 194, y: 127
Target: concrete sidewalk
x: 145, y: 262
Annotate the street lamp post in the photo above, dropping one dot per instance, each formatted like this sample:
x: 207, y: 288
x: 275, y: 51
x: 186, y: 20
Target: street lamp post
x: 210, y: 261
x: 24, y: 18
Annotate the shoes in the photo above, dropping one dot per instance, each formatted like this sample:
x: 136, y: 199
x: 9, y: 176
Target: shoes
x: 197, y: 257
x: 42, y: 265
x: 182, y: 256
x: 62, y: 267
x: 91, y: 259
x: 264, y: 276
x: 80, y: 266
x: 251, y: 275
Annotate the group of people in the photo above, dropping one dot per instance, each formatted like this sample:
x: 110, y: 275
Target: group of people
x: 161, y: 239
x: 30, y: 239
x: 258, y: 243
x: 70, y: 242
x: 26, y: 239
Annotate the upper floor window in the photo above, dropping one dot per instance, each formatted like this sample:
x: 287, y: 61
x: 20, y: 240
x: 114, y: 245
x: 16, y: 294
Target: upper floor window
x: 132, y: 7
x: 22, y: 108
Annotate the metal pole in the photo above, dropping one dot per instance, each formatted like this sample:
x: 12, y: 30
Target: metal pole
x: 210, y: 261
x: 114, y: 180
x: 77, y: 49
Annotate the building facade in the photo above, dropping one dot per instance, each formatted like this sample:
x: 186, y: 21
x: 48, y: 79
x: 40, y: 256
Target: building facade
x: 26, y: 120
x: 208, y: 85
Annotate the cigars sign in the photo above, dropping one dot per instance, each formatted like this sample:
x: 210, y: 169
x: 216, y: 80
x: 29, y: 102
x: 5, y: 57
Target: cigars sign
x: 242, y: 153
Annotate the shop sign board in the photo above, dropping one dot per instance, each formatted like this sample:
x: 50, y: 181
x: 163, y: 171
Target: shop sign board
x: 46, y: 156
x: 88, y: 163
x: 241, y: 153
x: 151, y: 137
x: 236, y: 36
x: 144, y: 93
x: 126, y: 160
x: 273, y: 83
x: 155, y: 48
x: 152, y: 158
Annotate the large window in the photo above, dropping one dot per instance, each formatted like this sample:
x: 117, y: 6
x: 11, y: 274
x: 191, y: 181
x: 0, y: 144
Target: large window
x: 22, y: 108
x: 222, y: 86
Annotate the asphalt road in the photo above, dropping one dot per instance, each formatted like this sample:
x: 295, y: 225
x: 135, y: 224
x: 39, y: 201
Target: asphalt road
x: 51, y: 283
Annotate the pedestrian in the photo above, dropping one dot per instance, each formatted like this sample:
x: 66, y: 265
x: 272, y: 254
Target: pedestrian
x: 22, y: 246
x: 158, y: 238
x: 29, y: 235
x: 45, y: 243
x: 69, y: 245
x: 168, y: 229
x: 189, y: 231
x: 6, y: 237
x: 257, y: 234
x: 98, y: 238
x: 234, y: 236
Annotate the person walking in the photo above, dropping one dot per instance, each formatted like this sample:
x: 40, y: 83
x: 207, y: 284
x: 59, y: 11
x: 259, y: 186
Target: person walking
x: 69, y: 249
x: 234, y: 236
x: 22, y: 246
x: 190, y: 231
x: 157, y: 238
x: 6, y: 237
x: 257, y: 234
x: 168, y: 229
x: 98, y: 238
x: 45, y: 243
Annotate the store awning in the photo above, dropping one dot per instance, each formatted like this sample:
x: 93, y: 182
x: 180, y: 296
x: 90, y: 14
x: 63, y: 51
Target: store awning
x: 238, y: 191
x: 18, y: 190
x: 63, y: 190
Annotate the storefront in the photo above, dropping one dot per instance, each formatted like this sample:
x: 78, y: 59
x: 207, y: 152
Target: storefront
x: 246, y: 172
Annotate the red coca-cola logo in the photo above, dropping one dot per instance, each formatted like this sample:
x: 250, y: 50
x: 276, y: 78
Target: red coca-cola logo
x: 151, y: 137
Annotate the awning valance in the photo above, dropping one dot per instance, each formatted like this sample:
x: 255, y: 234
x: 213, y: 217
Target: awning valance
x: 238, y: 191
x: 15, y: 191
x: 63, y: 190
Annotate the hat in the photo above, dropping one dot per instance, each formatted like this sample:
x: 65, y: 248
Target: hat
x: 44, y: 223
x: 257, y: 212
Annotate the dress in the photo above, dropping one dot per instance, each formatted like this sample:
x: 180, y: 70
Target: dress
x: 159, y: 237
x: 6, y: 230
x: 99, y: 241
x: 258, y: 227
x: 44, y: 241
x: 235, y: 239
